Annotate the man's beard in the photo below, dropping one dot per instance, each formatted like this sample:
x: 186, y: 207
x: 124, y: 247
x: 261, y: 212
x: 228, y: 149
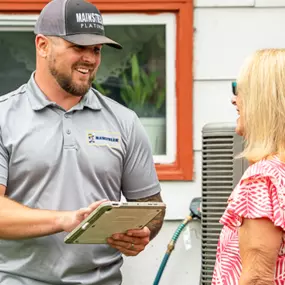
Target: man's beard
x: 65, y: 81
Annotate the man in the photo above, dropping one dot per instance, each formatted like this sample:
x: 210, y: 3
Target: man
x: 65, y: 148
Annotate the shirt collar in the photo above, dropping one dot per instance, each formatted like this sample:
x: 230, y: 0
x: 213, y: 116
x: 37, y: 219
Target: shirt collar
x: 39, y: 100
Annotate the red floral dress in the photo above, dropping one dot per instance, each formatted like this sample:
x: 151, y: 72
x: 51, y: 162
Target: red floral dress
x: 260, y: 193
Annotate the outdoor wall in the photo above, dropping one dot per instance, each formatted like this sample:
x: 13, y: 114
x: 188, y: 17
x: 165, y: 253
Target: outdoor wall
x: 226, y: 32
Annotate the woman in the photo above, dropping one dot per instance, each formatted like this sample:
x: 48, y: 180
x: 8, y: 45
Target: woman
x: 251, y: 249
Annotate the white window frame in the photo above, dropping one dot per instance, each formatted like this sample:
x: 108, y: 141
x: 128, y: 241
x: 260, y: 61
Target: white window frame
x: 27, y: 22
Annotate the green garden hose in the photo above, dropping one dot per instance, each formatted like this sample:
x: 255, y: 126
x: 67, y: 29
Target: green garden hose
x: 170, y: 248
x: 195, y: 212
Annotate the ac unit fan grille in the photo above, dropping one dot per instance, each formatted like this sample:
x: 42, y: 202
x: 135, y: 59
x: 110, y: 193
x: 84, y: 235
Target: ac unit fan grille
x: 217, y: 184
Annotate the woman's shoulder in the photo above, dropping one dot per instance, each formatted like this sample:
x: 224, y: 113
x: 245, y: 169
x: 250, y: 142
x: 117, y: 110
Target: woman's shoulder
x: 273, y: 167
x: 259, y: 194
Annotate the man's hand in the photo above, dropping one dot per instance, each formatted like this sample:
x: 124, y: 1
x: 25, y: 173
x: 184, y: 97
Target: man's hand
x: 69, y: 220
x: 131, y: 243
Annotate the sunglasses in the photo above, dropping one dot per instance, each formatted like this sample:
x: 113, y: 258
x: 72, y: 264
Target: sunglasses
x: 234, y: 88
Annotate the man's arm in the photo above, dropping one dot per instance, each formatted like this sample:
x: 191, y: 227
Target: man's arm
x: 259, y: 243
x: 18, y: 221
x: 156, y: 224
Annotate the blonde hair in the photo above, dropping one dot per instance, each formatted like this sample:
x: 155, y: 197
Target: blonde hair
x: 261, y: 87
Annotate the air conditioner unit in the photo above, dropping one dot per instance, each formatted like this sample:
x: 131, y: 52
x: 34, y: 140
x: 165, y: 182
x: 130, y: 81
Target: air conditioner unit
x: 220, y: 173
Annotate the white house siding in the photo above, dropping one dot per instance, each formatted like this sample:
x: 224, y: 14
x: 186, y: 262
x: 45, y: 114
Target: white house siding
x: 226, y: 31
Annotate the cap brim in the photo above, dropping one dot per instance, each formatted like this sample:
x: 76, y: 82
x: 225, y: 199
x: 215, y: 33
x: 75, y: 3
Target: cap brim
x: 91, y: 39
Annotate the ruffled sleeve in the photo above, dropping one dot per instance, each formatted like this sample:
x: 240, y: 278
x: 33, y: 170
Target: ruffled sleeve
x: 259, y: 194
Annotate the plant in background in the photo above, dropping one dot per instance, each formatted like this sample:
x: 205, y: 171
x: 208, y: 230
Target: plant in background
x: 101, y: 89
x: 141, y: 91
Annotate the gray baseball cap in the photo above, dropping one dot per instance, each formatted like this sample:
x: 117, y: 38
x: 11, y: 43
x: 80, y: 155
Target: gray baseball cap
x: 76, y: 21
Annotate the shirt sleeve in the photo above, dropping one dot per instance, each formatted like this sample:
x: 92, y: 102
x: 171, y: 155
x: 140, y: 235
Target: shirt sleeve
x: 139, y: 178
x: 4, y: 158
x: 260, y: 194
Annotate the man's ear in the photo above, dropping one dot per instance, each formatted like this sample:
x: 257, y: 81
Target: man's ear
x: 42, y: 44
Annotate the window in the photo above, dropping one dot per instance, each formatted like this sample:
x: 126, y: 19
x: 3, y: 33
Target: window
x: 151, y: 75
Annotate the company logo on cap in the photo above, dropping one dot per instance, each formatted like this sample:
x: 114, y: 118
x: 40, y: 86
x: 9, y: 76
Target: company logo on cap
x: 90, y: 20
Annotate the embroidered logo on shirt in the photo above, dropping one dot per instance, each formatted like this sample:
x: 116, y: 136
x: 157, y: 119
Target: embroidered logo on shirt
x: 104, y: 138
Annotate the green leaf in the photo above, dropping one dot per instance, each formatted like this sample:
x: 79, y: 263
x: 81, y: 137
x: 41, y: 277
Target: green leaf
x: 101, y: 89
x: 135, y: 69
x: 141, y: 91
x: 160, y: 99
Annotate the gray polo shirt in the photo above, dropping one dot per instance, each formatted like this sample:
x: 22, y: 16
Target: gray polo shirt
x: 53, y: 159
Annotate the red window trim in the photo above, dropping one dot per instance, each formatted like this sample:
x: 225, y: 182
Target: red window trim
x: 182, y: 168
